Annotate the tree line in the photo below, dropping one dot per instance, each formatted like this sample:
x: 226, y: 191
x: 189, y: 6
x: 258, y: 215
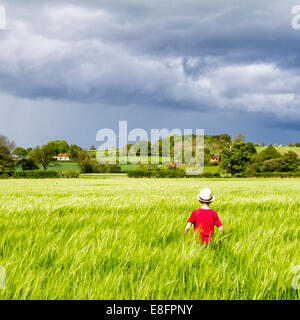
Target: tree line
x: 43, y: 157
x: 236, y: 156
x: 242, y: 158
x: 33, y: 158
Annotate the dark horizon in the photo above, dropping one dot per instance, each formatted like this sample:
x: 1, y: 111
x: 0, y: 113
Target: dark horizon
x: 87, y: 147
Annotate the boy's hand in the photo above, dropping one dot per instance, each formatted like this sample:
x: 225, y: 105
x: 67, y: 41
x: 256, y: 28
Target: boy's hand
x: 187, y: 228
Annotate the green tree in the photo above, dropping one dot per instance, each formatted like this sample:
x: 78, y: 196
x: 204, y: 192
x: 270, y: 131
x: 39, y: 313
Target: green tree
x: 251, y: 148
x: 88, y: 164
x: 289, y: 161
x: 6, y: 161
x: 160, y: 147
x: 20, y: 153
x: 225, y: 139
x: 235, y: 160
x: 27, y: 164
x: 74, y: 151
x: 272, y: 165
x: 269, y: 153
x: 58, y: 146
x: 43, y: 156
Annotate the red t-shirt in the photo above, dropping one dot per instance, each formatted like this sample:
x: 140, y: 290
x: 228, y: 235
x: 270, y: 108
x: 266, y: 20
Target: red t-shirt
x: 204, y: 221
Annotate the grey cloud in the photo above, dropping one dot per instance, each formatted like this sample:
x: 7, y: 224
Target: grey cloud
x: 53, y: 64
x: 208, y: 56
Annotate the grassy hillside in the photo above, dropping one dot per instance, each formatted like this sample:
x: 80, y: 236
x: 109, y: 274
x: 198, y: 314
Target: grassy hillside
x: 281, y: 149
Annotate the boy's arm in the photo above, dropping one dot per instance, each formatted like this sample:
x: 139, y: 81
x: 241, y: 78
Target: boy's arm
x: 218, y: 222
x: 187, y: 228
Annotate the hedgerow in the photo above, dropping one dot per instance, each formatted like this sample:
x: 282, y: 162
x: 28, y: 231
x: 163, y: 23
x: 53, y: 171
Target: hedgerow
x: 68, y: 174
x: 35, y: 174
x: 157, y: 173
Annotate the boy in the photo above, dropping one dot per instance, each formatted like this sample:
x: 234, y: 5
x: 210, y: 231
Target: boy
x: 204, y: 219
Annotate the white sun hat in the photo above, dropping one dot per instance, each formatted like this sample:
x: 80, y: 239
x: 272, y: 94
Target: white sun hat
x: 205, y: 195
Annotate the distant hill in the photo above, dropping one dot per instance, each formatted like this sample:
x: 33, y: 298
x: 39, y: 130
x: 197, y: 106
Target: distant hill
x: 282, y: 150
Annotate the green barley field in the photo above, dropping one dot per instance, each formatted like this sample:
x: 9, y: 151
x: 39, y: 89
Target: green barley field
x: 120, y: 238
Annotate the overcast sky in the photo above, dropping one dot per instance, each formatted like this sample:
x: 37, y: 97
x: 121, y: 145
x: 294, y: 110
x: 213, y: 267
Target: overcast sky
x: 70, y: 68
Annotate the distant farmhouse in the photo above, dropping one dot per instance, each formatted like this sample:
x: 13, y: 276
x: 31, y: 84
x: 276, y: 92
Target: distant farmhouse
x: 214, y: 159
x: 62, y: 157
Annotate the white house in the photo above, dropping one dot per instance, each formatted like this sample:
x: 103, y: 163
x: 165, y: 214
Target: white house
x: 62, y: 157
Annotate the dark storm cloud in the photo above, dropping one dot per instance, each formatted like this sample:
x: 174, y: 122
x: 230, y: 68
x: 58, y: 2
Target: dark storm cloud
x: 138, y: 52
x: 216, y: 57
x: 285, y: 125
x: 240, y: 32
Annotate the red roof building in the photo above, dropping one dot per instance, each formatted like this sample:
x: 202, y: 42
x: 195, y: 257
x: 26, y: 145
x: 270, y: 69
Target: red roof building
x: 214, y: 159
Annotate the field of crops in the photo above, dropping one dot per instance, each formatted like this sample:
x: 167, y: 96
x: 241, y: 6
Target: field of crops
x: 122, y: 238
x: 282, y: 150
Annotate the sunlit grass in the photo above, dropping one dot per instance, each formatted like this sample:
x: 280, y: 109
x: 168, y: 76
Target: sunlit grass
x: 123, y: 239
